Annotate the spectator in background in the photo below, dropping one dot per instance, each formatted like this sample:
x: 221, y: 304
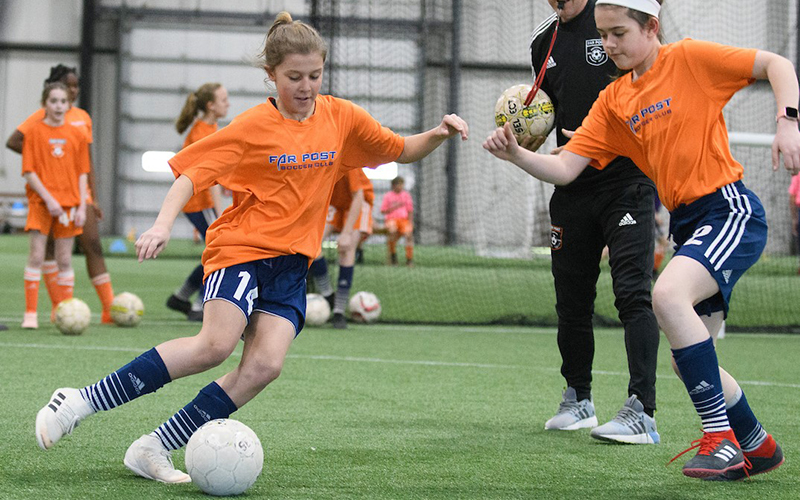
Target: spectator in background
x: 398, y: 209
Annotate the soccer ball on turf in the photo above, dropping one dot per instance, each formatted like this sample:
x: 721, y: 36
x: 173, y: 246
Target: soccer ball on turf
x: 534, y: 120
x: 127, y: 309
x: 365, y: 307
x: 72, y: 316
x: 318, y: 311
x: 224, y: 457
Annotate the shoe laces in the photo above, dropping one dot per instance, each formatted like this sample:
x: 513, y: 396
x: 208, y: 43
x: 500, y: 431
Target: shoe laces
x: 160, y: 458
x: 570, y: 407
x: 627, y: 416
x: 67, y: 418
x: 707, y: 444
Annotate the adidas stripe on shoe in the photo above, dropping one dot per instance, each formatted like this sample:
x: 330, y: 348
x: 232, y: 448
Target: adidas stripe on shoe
x: 572, y: 414
x: 765, y: 458
x: 719, y: 453
x: 60, y: 416
x: 631, y: 425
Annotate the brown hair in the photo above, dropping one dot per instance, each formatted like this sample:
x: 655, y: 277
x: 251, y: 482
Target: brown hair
x: 290, y: 37
x: 48, y: 87
x: 398, y: 180
x: 197, y: 101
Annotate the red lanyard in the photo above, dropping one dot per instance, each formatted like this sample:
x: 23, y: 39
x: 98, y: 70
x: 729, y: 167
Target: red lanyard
x: 540, y: 77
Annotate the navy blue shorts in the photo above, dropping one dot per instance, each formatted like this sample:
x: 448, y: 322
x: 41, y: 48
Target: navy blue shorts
x: 275, y: 286
x: 726, y: 231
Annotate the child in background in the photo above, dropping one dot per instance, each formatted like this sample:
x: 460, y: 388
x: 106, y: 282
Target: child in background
x: 89, y: 239
x: 211, y: 99
x: 55, y: 164
x: 398, y: 208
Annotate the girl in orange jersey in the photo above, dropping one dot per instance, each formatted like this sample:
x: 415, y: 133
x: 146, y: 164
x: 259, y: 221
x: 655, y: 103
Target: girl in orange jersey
x: 89, y: 240
x: 211, y: 100
x: 665, y: 113
x: 55, y: 164
x: 282, y: 159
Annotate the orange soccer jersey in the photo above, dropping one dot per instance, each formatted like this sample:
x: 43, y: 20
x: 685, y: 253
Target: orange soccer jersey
x: 351, y: 182
x: 283, y: 172
x: 669, y: 121
x: 75, y: 117
x: 58, y: 156
x: 203, y: 199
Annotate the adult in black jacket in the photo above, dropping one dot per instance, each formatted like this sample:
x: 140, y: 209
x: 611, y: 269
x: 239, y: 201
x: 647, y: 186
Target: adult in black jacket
x: 611, y: 207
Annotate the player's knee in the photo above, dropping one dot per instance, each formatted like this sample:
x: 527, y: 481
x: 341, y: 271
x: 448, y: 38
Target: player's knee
x: 213, y: 351
x: 92, y: 247
x: 261, y: 373
x: 666, y: 298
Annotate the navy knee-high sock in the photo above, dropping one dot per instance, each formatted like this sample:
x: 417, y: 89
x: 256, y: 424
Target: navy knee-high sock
x: 211, y: 403
x: 700, y: 373
x: 744, y: 423
x: 145, y: 374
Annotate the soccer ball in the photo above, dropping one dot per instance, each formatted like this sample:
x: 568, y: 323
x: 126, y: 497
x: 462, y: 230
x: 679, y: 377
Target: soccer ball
x: 535, y: 120
x: 224, y: 457
x: 72, y: 316
x: 318, y: 311
x: 365, y: 307
x: 127, y: 309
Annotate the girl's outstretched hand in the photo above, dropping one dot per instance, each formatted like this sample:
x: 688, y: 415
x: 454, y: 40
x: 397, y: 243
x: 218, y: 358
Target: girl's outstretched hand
x: 453, y: 125
x: 151, y: 243
x: 502, y: 143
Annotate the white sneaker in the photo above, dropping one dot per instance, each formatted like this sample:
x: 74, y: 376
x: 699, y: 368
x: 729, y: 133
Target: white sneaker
x: 572, y: 414
x: 149, y: 458
x: 30, y: 321
x: 62, y: 414
x: 631, y: 425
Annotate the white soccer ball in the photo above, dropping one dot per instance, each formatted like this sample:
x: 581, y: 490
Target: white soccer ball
x: 127, y: 309
x: 365, y: 307
x: 72, y: 316
x: 224, y: 457
x: 318, y: 311
x: 534, y: 120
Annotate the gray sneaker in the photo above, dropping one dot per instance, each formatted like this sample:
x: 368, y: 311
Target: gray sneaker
x: 572, y: 414
x: 631, y: 425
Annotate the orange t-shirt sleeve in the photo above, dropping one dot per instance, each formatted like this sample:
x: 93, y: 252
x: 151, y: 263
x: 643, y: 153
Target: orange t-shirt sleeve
x: 84, y: 161
x: 369, y: 144
x: 205, y: 161
x: 599, y: 137
x: 35, y: 117
x: 720, y: 70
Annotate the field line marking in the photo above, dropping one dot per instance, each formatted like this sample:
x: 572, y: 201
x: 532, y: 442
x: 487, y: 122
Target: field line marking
x: 390, y: 361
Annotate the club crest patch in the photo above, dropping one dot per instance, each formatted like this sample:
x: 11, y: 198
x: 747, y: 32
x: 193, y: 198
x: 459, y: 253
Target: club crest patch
x: 556, y: 234
x: 595, y: 55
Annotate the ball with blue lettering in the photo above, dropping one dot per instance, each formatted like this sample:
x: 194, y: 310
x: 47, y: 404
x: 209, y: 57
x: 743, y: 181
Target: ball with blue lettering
x: 534, y: 120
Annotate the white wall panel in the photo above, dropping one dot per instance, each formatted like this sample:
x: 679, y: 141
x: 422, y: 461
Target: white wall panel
x: 41, y: 21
